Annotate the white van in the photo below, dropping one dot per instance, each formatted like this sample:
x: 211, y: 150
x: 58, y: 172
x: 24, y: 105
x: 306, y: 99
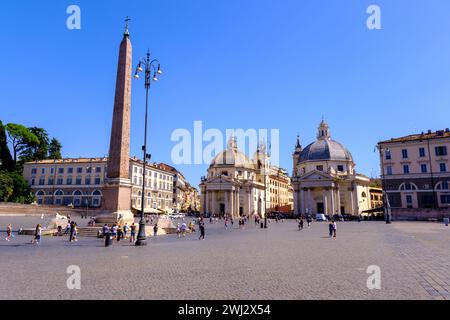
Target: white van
x: 320, y: 217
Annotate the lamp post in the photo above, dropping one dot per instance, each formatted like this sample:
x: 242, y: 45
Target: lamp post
x: 149, y: 67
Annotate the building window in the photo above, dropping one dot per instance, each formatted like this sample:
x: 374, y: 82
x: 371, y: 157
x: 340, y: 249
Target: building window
x: 50, y: 181
x: 79, y: 170
x: 421, y: 152
x: 404, y: 153
x: 389, y: 170
x: 443, y: 167
x: 444, y: 185
x: 441, y: 151
x: 78, y: 181
x: 340, y: 168
x: 406, y: 169
x: 60, y: 170
x: 87, y: 181
x: 69, y: 180
x: 32, y: 182
x: 97, y: 180
x: 98, y: 169
x: 33, y: 171
x: 43, y: 171
x: 388, y: 155
x: 445, y: 198
x: 319, y: 168
x: 409, y: 199
x: 52, y: 170
x: 423, y: 168
x: 88, y: 169
x: 59, y: 181
x: 70, y: 170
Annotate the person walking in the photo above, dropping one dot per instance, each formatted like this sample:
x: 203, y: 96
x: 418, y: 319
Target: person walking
x: 75, y: 232
x: 183, y: 229
x: 105, y: 230
x: 132, y: 232
x: 178, y: 229
x: 334, y: 229
x: 300, y: 223
x: 8, y: 232
x: 119, y: 233
x: 331, y: 228
x: 155, y: 230
x: 125, y: 231
x: 308, y: 220
x: 114, y: 230
x: 202, y: 230
x: 226, y: 223
x: 72, y: 224
x: 37, y: 234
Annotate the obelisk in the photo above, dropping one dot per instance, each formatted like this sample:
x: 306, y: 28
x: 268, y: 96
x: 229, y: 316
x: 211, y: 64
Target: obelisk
x: 117, y: 189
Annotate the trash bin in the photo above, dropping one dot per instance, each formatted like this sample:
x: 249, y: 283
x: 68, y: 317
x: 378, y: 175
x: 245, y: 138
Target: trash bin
x: 446, y: 221
x: 108, y: 239
x: 262, y: 225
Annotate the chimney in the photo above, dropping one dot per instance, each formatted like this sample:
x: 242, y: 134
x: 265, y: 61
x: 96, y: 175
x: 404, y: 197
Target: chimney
x: 429, y: 131
x: 447, y: 130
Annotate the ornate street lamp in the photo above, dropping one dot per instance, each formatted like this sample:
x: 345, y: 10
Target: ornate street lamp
x: 149, y: 65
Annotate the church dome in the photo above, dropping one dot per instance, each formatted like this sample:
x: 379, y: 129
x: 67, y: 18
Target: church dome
x: 324, y: 148
x: 231, y: 157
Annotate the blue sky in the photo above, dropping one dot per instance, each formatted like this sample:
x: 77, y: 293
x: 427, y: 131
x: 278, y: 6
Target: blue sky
x: 232, y: 64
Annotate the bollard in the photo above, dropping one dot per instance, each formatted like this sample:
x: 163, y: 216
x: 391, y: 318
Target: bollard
x: 446, y: 221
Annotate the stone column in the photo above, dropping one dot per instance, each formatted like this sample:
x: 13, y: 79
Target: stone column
x: 309, y: 201
x: 325, y: 201
x: 352, y: 202
x: 296, y: 202
x: 213, y: 202
x: 338, y: 199
x: 249, y: 202
x: 302, y: 201
x: 333, y: 208
x: 230, y: 211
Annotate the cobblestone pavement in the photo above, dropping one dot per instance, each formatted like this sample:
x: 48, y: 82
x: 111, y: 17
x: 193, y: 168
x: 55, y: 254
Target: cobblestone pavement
x: 275, y: 263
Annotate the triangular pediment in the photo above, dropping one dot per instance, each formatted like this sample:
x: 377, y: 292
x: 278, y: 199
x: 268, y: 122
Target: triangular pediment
x: 219, y: 179
x: 316, y: 175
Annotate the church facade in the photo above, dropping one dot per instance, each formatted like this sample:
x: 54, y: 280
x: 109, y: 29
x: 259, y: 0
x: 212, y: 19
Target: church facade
x: 325, y: 180
x: 236, y: 185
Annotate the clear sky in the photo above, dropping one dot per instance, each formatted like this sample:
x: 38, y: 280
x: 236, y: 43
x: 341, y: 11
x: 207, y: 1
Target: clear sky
x: 232, y: 64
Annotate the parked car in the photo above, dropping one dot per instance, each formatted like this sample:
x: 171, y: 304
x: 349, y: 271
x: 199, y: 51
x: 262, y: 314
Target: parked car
x: 320, y: 217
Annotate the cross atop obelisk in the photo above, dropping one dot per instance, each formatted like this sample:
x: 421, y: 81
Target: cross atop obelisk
x: 127, y: 19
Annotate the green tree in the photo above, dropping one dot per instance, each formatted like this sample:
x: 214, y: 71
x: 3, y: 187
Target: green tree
x: 6, y: 186
x: 6, y: 161
x: 20, y: 138
x: 37, y: 151
x: 54, y: 150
